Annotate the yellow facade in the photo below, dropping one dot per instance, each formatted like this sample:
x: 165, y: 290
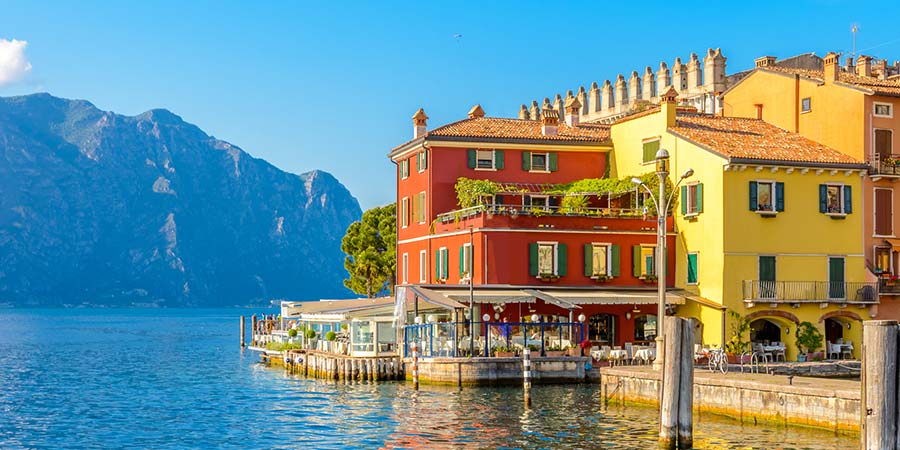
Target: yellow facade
x: 729, y: 238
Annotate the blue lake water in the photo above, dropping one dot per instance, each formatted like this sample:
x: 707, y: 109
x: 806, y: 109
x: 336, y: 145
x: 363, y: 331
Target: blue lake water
x: 132, y: 378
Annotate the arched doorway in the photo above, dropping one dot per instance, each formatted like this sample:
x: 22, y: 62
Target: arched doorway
x: 834, y: 331
x: 602, y: 329
x: 764, y: 331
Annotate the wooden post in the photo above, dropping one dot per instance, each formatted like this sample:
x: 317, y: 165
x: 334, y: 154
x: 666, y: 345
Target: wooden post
x: 879, y: 385
x: 415, y: 365
x: 671, y: 380
x: 243, y: 329
x: 686, y: 386
x: 526, y: 375
x: 253, y: 330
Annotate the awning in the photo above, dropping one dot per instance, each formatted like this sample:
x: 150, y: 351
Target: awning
x: 614, y: 297
x: 551, y: 299
x: 436, y: 298
x: 895, y: 243
x: 493, y: 296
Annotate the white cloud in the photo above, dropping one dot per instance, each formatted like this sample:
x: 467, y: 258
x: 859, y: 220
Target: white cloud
x: 14, y: 65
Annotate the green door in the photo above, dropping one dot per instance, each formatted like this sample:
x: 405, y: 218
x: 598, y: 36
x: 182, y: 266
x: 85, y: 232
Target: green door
x: 767, y: 277
x: 836, y: 278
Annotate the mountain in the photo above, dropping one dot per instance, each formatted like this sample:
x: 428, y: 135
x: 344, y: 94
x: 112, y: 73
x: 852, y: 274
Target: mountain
x: 104, y: 209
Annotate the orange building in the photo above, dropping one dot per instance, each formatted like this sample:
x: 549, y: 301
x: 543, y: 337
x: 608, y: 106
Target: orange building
x: 853, y: 110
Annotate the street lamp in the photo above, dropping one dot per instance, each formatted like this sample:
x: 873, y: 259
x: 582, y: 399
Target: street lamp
x: 661, y: 201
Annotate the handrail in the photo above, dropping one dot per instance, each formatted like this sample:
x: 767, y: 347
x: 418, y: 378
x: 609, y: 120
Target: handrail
x: 539, y: 211
x: 442, y: 339
x: 762, y: 291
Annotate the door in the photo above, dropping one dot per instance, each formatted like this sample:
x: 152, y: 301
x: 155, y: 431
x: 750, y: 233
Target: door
x: 836, y: 278
x: 884, y: 214
x: 883, y: 145
x: 767, y: 277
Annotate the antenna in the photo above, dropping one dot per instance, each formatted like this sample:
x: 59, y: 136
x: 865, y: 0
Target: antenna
x: 854, y: 29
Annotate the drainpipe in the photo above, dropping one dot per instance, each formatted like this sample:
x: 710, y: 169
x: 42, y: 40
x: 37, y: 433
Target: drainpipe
x: 796, y: 103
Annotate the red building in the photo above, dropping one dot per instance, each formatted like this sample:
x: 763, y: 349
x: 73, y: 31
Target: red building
x: 536, y: 246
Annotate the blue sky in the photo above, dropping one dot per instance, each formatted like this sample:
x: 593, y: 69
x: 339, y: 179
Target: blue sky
x: 332, y: 86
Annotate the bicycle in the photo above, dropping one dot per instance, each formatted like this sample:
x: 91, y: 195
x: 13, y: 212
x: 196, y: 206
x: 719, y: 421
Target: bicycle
x: 718, y: 360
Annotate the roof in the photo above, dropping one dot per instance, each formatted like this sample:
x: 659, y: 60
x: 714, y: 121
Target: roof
x: 754, y: 139
x: 495, y: 129
x: 876, y: 85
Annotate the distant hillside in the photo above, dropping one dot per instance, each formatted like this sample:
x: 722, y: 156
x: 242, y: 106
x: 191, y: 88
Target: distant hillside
x: 107, y: 209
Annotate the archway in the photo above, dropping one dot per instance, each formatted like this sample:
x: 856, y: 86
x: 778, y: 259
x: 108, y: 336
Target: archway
x: 764, y: 331
x: 834, y: 331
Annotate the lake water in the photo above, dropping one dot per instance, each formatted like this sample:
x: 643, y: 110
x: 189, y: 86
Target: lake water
x: 105, y: 378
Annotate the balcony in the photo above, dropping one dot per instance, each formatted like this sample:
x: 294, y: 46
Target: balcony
x: 523, y: 217
x: 797, y: 292
x: 887, y: 166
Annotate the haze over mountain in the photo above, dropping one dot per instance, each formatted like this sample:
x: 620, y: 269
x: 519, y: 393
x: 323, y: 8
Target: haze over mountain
x: 101, y: 208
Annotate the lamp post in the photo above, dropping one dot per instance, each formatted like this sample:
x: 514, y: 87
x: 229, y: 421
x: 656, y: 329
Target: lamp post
x: 661, y: 201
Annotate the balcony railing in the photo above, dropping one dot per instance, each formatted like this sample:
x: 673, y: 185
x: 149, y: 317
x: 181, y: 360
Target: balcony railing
x: 538, y: 211
x: 889, y: 165
x: 756, y: 291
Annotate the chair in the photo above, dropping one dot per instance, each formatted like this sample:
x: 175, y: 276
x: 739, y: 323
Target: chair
x: 761, y: 350
x: 779, y: 351
x: 629, y: 352
x: 847, y: 351
x: 833, y: 349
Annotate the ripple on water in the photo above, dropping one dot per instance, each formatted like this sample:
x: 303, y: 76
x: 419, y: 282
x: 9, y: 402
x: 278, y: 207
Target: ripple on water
x: 175, y: 379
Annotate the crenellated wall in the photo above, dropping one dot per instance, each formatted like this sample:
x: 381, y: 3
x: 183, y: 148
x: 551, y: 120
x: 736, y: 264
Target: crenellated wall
x: 698, y: 83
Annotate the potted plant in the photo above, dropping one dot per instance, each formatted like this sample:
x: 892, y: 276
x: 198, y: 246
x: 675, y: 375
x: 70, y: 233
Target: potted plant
x: 504, y: 352
x: 534, y: 348
x: 555, y: 351
x: 808, y: 339
x: 549, y: 277
x: 736, y: 344
x: 602, y: 278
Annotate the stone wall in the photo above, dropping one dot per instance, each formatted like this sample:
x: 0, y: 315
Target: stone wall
x: 487, y: 371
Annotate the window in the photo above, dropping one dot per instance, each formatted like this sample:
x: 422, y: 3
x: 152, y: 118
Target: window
x: 422, y: 161
x: 805, y: 105
x: 692, y: 268
x: 601, y: 260
x: 536, y: 201
x: 766, y: 277
x: 440, y: 263
x: 404, y: 169
x: 882, y: 259
x: 547, y: 259
x: 651, y: 146
x: 884, y: 214
x: 692, y: 199
x: 766, y: 196
x: 423, y: 267
x: 420, y: 211
x: 835, y: 199
x: 643, y: 260
x: 404, y: 212
x: 645, y: 328
x: 836, y: 278
x: 883, y: 110
x: 539, y: 162
x: 485, y: 159
x: 884, y: 144
x: 465, y: 261
x: 405, y: 269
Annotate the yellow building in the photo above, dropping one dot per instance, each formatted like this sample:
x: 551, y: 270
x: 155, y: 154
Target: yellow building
x: 767, y: 226
x: 851, y: 109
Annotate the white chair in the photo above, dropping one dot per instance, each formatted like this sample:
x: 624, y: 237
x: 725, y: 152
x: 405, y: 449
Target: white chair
x: 847, y: 351
x: 833, y: 349
x: 629, y: 352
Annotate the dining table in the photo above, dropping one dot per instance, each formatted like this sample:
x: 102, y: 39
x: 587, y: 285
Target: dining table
x: 645, y: 354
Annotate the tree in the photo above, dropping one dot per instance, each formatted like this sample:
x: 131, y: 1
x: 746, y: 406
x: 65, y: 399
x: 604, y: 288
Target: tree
x: 371, y: 247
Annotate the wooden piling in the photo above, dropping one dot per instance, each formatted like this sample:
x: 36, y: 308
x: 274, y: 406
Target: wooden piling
x: 415, y: 366
x: 686, y: 386
x: 671, y: 374
x: 526, y: 375
x: 243, y: 329
x: 253, y: 330
x: 879, y: 385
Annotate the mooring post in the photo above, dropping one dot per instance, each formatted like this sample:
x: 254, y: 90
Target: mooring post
x: 879, y: 385
x: 526, y: 375
x: 668, y: 406
x: 686, y: 386
x: 253, y: 330
x: 415, y: 365
x: 243, y: 329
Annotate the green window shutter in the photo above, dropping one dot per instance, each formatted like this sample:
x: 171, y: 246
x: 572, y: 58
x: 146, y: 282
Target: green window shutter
x: 446, y: 268
x: 823, y: 198
x: 553, y: 163
x: 636, y: 260
x: 437, y: 265
x: 533, y: 259
x: 472, y: 158
x: 698, y: 197
x: 615, y: 270
x: 650, y: 149
x: 418, y: 161
x: 588, y: 260
x: 526, y: 160
x: 498, y: 159
x: 424, y: 159
x: 848, y: 200
x: 754, y: 202
x: 562, y: 254
x: 692, y: 268
x: 779, y: 196
x: 462, y: 260
x: 683, y: 200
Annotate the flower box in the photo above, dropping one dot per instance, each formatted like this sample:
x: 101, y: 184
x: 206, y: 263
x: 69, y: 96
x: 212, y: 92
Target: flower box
x: 555, y: 353
x: 505, y: 354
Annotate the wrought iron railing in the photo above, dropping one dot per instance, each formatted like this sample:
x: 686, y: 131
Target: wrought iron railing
x: 889, y: 165
x: 453, y: 339
x: 539, y: 211
x: 809, y: 291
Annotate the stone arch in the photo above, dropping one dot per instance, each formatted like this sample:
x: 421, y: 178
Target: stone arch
x: 772, y: 313
x: 844, y: 314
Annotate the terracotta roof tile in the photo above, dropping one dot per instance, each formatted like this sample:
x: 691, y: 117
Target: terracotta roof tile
x: 501, y: 128
x: 879, y: 86
x: 736, y: 137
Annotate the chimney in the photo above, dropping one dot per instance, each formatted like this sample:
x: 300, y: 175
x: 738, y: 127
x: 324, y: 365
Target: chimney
x: 881, y: 66
x: 419, y: 123
x: 831, y: 67
x: 523, y: 113
x: 759, y: 109
x: 765, y: 61
x: 572, y: 108
x: 549, y: 122
x: 848, y: 66
x: 476, y: 112
x: 667, y: 104
x: 864, y: 66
